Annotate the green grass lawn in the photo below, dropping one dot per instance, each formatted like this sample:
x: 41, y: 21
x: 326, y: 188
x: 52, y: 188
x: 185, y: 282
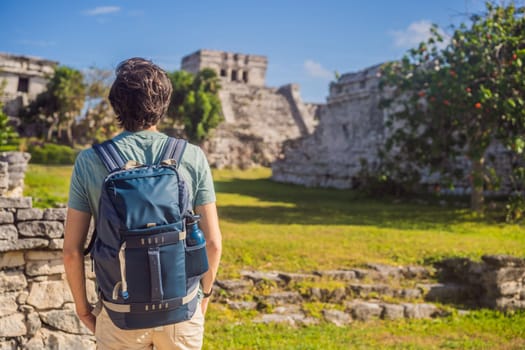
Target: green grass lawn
x: 270, y: 226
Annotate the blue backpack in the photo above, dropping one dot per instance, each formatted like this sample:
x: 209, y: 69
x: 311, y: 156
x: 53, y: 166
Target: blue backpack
x: 147, y: 272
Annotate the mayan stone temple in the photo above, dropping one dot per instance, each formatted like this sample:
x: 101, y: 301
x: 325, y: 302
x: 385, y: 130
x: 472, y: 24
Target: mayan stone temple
x: 257, y: 118
x: 352, y: 128
x: 24, y: 78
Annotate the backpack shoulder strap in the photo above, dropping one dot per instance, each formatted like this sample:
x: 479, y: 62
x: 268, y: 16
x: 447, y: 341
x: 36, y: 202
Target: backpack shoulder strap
x: 174, y: 149
x: 109, y: 154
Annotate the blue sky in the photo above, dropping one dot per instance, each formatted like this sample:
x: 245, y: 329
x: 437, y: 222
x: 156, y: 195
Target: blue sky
x: 305, y: 41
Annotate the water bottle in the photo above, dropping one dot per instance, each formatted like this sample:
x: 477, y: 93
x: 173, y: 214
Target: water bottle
x: 195, y: 236
x: 196, y: 257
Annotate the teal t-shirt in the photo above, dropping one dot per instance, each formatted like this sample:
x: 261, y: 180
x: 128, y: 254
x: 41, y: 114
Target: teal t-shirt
x: 145, y: 147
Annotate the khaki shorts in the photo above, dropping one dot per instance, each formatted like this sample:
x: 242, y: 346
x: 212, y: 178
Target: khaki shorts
x: 186, y: 335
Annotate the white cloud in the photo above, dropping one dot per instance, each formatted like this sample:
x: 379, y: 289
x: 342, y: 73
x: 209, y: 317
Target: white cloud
x: 414, y: 34
x: 316, y: 70
x: 102, y: 10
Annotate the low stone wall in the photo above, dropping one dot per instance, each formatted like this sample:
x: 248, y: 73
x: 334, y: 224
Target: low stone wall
x: 36, y: 306
x: 497, y: 282
x: 13, y: 167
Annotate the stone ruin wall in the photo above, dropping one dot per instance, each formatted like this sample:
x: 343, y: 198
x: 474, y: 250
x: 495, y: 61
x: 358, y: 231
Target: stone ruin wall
x: 36, y: 306
x: 257, y: 122
x: 351, y: 127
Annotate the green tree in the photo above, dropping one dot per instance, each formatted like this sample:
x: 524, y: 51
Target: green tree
x: 56, y: 108
x: 454, y: 102
x: 8, y: 136
x: 195, y: 103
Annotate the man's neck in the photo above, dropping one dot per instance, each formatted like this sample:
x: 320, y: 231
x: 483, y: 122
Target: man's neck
x: 151, y: 128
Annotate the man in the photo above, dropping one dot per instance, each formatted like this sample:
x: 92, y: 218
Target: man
x: 139, y: 96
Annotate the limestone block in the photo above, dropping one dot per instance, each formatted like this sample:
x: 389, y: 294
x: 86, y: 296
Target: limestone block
x: 509, y: 288
x: 56, y: 243
x: 342, y: 275
x: 259, y: 276
x: 505, y: 304
x: 509, y: 274
x: 337, y: 317
x: 55, y: 214
x: 33, y: 323
x: 235, y: 288
x: 503, y: 261
x: 420, y: 310
x: 14, y: 157
x: 22, y: 297
x: 4, y: 177
x: 29, y: 214
x: 35, y: 343
x: 242, y: 305
x: 62, y: 341
x: 413, y: 272
x: 26, y: 309
x: 365, y: 311
x: 8, y: 345
x: 337, y: 295
x: 13, y: 325
x: 291, y: 319
x: 49, y: 294
x: 316, y: 294
x: 280, y: 298
x: 8, y: 233
x: 6, y: 217
x: 392, y: 311
x: 23, y: 244
x: 40, y: 278
x: 297, y: 277
x: 364, y: 273
x: 446, y: 292
x: 11, y: 281
x: 10, y: 202
x: 44, y: 267
x: 42, y: 255
x: 8, y: 305
x: 409, y: 293
x: 385, y: 271
x: 11, y: 259
x: 288, y: 309
x: 368, y: 290
x: 64, y: 320
x: 49, y: 229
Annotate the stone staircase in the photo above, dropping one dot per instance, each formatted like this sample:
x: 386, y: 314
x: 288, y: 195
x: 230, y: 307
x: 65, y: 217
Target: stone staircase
x: 361, y: 294
x: 379, y: 291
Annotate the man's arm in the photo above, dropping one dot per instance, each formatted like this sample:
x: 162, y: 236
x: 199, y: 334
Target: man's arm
x: 209, y: 224
x: 77, y: 227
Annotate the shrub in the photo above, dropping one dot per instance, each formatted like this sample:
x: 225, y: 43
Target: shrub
x: 50, y: 153
x: 378, y: 180
x: 515, y: 208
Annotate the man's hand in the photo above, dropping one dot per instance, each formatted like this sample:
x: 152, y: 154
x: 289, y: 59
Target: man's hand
x: 88, y: 319
x: 204, y: 305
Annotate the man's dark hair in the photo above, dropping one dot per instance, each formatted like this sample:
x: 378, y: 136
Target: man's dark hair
x: 140, y: 94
